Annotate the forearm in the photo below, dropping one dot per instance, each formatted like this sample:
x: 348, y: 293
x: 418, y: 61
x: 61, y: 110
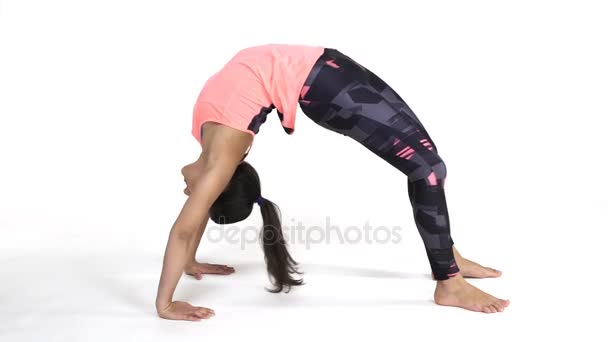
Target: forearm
x: 197, y: 239
x: 176, y: 256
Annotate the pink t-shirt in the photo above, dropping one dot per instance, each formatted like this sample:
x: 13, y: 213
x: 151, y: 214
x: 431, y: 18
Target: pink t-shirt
x: 255, y: 81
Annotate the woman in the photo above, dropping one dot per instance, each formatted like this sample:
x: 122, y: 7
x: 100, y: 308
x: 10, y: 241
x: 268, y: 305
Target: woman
x: 341, y: 95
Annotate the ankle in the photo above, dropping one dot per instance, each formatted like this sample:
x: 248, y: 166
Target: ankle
x: 454, y: 282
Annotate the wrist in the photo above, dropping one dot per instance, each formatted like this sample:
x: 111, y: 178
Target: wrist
x: 163, y: 306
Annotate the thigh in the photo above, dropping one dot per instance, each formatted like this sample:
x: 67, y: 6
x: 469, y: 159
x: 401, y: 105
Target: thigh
x: 345, y: 97
x: 335, y: 73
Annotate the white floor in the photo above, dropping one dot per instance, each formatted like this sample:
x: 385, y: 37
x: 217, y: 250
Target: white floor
x: 72, y: 289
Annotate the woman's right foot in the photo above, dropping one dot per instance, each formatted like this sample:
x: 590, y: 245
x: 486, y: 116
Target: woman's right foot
x: 457, y: 292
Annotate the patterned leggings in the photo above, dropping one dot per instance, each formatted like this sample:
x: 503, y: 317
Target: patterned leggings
x: 343, y: 96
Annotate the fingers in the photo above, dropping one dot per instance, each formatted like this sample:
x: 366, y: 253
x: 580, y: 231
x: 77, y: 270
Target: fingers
x: 197, y: 269
x: 200, y: 313
x: 217, y: 269
x: 184, y: 311
x: 206, y: 312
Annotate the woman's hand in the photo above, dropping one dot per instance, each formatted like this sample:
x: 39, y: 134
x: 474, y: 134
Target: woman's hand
x: 197, y: 269
x: 184, y: 311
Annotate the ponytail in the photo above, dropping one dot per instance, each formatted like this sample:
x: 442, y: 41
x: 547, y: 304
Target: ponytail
x: 279, y: 263
x: 236, y: 203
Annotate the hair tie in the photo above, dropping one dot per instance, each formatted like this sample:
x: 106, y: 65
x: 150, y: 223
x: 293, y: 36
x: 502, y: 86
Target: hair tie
x: 259, y: 200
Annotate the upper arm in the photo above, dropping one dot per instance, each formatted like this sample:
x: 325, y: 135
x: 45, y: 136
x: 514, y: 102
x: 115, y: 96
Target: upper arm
x: 223, y: 152
x: 208, y: 187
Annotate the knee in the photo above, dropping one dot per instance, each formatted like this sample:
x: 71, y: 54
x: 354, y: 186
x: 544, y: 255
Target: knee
x: 440, y: 170
x: 436, y: 174
x: 432, y: 174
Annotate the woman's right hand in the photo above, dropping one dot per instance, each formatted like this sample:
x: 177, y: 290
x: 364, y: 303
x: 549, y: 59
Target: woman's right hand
x: 183, y: 311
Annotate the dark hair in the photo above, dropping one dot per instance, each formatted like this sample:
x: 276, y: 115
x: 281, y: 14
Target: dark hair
x: 235, y: 204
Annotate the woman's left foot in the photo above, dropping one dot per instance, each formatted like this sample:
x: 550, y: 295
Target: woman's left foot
x: 471, y: 269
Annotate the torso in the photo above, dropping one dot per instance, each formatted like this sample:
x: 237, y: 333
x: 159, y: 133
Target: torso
x: 254, y: 82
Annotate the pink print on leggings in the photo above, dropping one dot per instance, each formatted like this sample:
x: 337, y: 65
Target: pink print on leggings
x: 432, y: 178
x: 332, y: 64
x: 426, y: 144
x: 406, y: 152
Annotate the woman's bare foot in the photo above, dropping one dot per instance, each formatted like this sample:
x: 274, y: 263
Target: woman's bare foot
x: 197, y: 269
x: 471, y: 269
x: 457, y: 292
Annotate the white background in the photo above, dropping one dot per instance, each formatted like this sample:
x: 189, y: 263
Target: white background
x: 95, y: 111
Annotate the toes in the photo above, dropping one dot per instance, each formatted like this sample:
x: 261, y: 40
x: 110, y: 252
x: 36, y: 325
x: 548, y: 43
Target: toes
x: 505, y: 302
x: 487, y: 272
x: 495, y: 272
x: 498, y: 307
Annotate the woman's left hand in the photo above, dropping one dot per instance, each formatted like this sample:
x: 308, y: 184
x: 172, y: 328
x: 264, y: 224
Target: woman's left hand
x: 197, y: 269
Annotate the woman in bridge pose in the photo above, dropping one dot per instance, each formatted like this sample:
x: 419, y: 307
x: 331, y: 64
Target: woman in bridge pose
x: 341, y: 95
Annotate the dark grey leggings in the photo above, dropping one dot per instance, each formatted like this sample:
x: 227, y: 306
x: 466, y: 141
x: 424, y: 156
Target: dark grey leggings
x: 345, y: 97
